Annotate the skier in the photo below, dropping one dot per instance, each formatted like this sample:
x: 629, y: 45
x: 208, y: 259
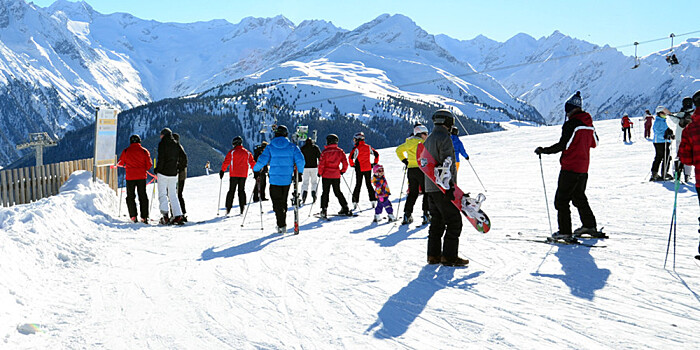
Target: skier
x: 689, y: 151
x: 207, y: 167
x: 407, y: 153
x: 236, y: 161
x: 331, y: 166
x: 382, y: 192
x: 136, y: 160
x: 260, y: 176
x: 626, y: 125
x: 282, y: 155
x: 446, y: 219
x: 359, y: 159
x: 459, y: 147
x: 681, y: 120
x: 578, y: 136
x: 311, y: 154
x: 167, y: 172
x: 181, y: 176
x: 648, y: 121
x: 662, y: 144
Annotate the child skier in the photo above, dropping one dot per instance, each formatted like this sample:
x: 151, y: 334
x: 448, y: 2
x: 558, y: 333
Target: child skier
x: 381, y: 190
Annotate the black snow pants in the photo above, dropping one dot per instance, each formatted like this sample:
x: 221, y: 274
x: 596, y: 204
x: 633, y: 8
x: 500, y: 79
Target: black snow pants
x: 572, y: 188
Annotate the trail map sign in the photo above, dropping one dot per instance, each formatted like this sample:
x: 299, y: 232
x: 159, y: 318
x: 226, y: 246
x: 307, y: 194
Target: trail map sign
x: 105, y: 136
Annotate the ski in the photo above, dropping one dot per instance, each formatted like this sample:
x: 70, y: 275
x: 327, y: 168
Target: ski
x: 697, y: 257
x: 549, y: 241
x: 296, y: 201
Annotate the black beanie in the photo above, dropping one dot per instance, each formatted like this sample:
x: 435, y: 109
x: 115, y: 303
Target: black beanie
x: 166, y: 132
x: 573, y: 102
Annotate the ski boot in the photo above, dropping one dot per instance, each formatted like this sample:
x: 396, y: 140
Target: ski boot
x: 323, y: 214
x: 281, y: 229
x: 391, y: 217
x: 144, y: 220
x: 374, y: 204
x: 177, y: 220
x: 433, y: 260
x: 556, y: 236
x: 355, y: 205
x: 377, y: 218
x: 407, y: 219
x: 313, y: 196
x: 165, y: 219
x: 303, y: 197
x: 456, y: 261
x: 345, y: 211
x: 228, y: 210
x: 472, y: 206
x: 426, y: 218
x: 591, y: 231
x: 134, y: 220
x: 655, y: 177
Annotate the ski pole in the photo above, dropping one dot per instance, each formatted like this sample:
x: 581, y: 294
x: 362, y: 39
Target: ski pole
x: 312, y: 203
x: 119, y: 211
x: 346, y: 184
x: 153, y: 197
x: 218, y: 201
x: 247, y: 205
x: 398, y: 207
x: 477, y: 175
x: 672, y: 230
x: 546, y: 201
x: 260, y: 196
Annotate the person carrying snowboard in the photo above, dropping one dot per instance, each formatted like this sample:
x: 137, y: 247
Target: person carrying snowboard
x: 578, y: 136
x: 136, y: 161
x: 459, y: 147
x: 167, y: 172
x: 331, y: 166
x: 662, y: 145
x: 681, y: 120
x: 260, y: 176
x: 237, y: 161
x: 648, y: 121
x: 626, y: 126
x: 181, y: 176
x: 359, y: 159
x: 407, y: 154
x: 282, y: 156
x: 689, y: 151
x: 311, y: 154
x: 382, y: 192
x: 446, y: 220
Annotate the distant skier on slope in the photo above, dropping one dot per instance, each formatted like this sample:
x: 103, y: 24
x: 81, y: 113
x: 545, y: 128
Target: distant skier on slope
x: 237, y: 161
x: 662, y: 146
x: 578, y: 136
x: 407, y: 154
x: 359, y: 158
x: 681, y: 120
x: 181, y: 176
x: 136, y: 160
x: 331, y: 166
x: 167, y: 172
x: 459, y: 146
x: 626, y: 128
x: 689, y: 151
x: 382, y: 191
x: 648, y: 121
x: 311, y: 154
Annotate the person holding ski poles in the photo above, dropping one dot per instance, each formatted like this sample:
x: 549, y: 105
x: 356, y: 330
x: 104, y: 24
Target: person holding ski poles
x: 648, y: 121
x: 681, y: 120
x: 282, y: 156
x: 407, y: 154
x: 331, y: 166
x: 181, y: 176
x: 311, y: 154
x: 689, y: 151
x: 382, y: 192
x: 626, y: 126
x: 167, y: 172
x: 662, y: 145
x: 136, y: 161
x: 578, y: 136
x: 259, y: 176
x: 459, y: 147
x: 359, y: 159
x: 237, y: 161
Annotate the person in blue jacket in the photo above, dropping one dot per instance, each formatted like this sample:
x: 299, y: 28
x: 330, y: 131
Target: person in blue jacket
x: 662, y: 143
x: 281, y: 155
x: 459, y: 147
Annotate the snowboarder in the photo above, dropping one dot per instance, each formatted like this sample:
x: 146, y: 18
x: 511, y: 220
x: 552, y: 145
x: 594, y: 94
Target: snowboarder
x: 311, y: 154
x: 237, y: 161
x: 359, y: 159
x: 578, y: 136
x: 446, y: 220
x: 648, y: 121
x: 167, y: 172
x: 136, y: 160
x: 382, y: 192
x: 260, y: 176
x: 681, y: 120
x: 626, y: 126
x: 662, y: 145
x: 181, y: 176
x: 459, y: 147
x: 331, y: 166
x: 689, y: 151
x: 282, y: 155
x: 407, y: 153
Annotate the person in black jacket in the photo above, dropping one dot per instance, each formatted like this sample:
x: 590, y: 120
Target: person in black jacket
x: 311, y: 154
x: 260, y: 176
x: 167, y: 171
x: 181, y: 176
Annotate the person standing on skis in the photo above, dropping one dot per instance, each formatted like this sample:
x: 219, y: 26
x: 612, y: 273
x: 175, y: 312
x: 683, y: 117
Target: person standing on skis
x: 459, y: 147
x: 136, y: 160
x: 331, y: 166
x: 626, y: 126
x: 237, y: 161
x: 167, y: 171
x: 311, y: 154
x: 689, y: 152
x: 381, y: 189
x: 662, y: 145
x: 359, y: 158
x: 648, y: 121
x: 260, y: 176
x: 407, y: 154
x: 181, y: 176
x: 578, y: 136
x: 681, y: 120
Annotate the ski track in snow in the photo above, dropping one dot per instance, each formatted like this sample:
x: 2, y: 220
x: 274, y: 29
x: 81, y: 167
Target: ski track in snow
x: 89, y: 279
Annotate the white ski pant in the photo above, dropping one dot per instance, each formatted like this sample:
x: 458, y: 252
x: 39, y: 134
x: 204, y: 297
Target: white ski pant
x: 310, y: 177
x: 167, y: 189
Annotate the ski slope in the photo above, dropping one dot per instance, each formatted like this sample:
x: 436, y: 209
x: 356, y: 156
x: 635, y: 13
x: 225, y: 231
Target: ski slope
x: 75, y: 275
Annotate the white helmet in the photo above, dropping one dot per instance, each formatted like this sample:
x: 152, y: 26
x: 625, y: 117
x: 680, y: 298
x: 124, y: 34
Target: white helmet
x: 625, y: 115
x: 419, y: 129
x: 660, y: 109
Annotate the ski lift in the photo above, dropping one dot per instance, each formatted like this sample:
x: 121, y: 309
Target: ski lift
x: 636, y: 58
x: 263, y: 130
x: 671, y: 57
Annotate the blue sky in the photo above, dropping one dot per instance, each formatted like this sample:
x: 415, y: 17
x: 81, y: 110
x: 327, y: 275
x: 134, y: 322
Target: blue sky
x: 601, y: 22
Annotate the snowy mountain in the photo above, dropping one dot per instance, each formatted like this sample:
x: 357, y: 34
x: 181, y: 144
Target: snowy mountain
x: 75, y: 274
x: 608, y: 86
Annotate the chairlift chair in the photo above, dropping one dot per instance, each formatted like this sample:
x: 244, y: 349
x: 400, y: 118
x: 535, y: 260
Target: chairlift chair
x: 636, y: 58
x: 671, y: 57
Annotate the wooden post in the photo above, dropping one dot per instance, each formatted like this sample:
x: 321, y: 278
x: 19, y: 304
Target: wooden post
x: 40, y: 181
x: 10, y: 188
x: 20, y: 179
x: 51, y: 179
x: 57, y: 178
x: 33, y: 179
x: 3, y: 189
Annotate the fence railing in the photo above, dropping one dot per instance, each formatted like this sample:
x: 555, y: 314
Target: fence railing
x: 26, y: 185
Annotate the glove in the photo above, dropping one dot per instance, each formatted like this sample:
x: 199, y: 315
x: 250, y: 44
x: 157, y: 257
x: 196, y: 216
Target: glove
x: 299, y: 177
x: 404, y: 161
x: 466, y: 158
x: 450, y: 193
x: 319, y: 174
x: 539, y: 150
x: 668, y: 135
x: 221, y: 174
x: 342, y: 173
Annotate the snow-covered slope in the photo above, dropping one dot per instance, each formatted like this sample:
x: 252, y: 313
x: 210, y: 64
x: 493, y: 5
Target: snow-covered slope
x: 81, y: 277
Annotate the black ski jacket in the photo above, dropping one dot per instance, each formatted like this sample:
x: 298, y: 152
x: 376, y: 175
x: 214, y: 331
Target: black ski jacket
x: 168, y: 155
x: 311, y: 154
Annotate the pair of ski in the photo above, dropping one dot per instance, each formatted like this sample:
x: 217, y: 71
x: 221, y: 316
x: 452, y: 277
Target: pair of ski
x: 328, y: 216
x: 575, y: 241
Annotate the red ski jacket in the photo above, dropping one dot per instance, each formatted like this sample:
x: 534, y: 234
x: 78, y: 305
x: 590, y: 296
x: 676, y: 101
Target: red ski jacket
x: 136, y: 160
x: 237, y: 161
x: 577, y: 138
x: 689, y: 150
x: 360, y: 156
x: 331, y: 157
x: 626, y: 123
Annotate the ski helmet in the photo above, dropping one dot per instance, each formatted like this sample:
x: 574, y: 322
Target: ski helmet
x: 625, y: 115
x: 332, y: 139
x: 376, y: 168
x: 443, y: 117
x: 359, y: 136
x: 135, y: 139
x: 281, y: 131
x: 454, y: 131
x: 687, y: 103
x: 166, y: 132
x: 660, y: 109
x: 696, y: 99
x: 420, y: 129
x: 237, y: 141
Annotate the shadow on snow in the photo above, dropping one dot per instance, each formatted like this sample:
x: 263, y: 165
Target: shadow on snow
x: 581, y: 274
x: 391, y: 240
x: 245, y: 248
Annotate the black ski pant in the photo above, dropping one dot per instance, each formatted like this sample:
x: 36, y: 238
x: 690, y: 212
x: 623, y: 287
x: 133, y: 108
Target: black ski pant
x: 446, y: 221
x: 133, y: 186
x: 335, y: 184
x: 279, y: 195
x: 262, y: 178
x: 180, y: 188
x: 626, y: 134
x: 663, y: 155
x: 359, y: 175
x: 415, y: 179
x: 234, y: 182
x: 572, y: 188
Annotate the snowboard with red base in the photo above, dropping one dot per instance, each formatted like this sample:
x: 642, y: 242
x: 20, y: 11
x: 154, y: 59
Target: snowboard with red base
x: 468, y: 206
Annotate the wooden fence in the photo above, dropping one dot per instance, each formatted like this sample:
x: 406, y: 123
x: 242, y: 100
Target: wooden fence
x: 26, y: 185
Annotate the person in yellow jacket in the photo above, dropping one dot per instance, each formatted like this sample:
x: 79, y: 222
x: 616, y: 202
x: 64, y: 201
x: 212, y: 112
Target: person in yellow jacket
x: 407, y: 153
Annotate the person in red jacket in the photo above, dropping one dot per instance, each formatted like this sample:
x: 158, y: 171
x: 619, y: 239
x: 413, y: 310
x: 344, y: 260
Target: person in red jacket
x: 648, y: 121
x: 689, y: 150
x: 626, y: 126
x: 359, y: 159
x: 237, y: 161
x: 578, y: 136
x: 331, y: 166
x: 136, y: 160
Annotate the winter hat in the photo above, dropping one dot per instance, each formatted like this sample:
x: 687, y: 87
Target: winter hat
x: 377, y: 167
x: 625, y: 115
x: 660, y: 109
x: 687, y: 104
x: 420, y: 129
x: 281, y: 131
x: 696, y: 99
x: 166, y: 132
x: 135, y: 139
x: 573, y: 102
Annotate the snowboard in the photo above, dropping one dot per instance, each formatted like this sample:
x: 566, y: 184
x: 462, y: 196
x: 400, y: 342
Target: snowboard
x: 427, y: 165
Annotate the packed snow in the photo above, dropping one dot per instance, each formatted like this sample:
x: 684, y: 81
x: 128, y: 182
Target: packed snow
x: 74, y: 274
